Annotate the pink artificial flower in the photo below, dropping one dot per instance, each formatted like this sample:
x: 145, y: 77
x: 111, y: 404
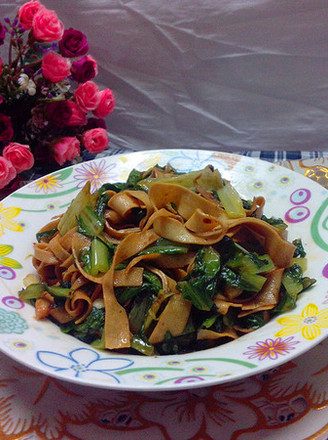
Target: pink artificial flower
x: 46, y: 26
x: 84, y: 69
x: 95, y: 140
x: 7, y: 172
x: 54, y: 67
x: 1, y: 66
x: 77, y: 118
x: 65, y: 149
x: 19, y: 155
x: 106, y: 104
x: 87, y: 96
x: 26, y: 13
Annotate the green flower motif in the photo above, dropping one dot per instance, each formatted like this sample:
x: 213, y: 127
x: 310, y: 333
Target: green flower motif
x: 11, y: 322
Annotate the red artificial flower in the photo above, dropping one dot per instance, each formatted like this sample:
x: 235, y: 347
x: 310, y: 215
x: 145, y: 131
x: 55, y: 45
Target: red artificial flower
x: 7, y: 172
x: 46, y: 26
x: 106, y: 104
x: 59, y: 113
x: 65, y: 149
x: 77, y: 118
x: 73, y: 43
x: 84, y: 69
x: 87, y: 96
x: 6, y: 128
x: 95, y: 140
x: 19, y: 155
x: 54, y: 67
x: 26, y: 13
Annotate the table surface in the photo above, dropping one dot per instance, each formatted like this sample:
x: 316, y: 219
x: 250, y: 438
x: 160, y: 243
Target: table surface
x: 288, y: 402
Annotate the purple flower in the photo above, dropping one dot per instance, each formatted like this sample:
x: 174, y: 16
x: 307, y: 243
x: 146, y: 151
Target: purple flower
x: 2, y: 33
x: 84, y: 69
x: 6, y: 128
x: 73, y: 43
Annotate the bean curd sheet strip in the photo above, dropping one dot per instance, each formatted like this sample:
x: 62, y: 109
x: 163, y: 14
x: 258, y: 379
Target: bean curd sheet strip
x: 117, y: 331
x: 280, y: 250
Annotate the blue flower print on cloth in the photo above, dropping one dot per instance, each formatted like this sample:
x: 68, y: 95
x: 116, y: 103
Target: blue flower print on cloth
x: 83, y: 362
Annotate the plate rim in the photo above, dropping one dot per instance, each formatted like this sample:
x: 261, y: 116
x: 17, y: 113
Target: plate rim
x: 148, y: 387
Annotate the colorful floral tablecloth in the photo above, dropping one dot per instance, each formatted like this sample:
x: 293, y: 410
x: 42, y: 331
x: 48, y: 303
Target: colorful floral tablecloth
x: 288, y: 402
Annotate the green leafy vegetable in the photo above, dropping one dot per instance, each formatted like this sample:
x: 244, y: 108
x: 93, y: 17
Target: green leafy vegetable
x: 151, y: 284
x: 231, y: 200
x: 243, y: 268
x: 89, y: 223
x: 252, y: 263
x: 90, y: 329
x: 81, y: 201
x: 308, y: 282
x: 141, y: 344
x: 254, y: 321
x: 34, y: 291
x: 49, y: 234
x: 101, y: 205
x: 276, y: 222
x: 294, y: 284
x: 247, y: 281
x: 213, y: 322
x: 131, y: 183
x: 139, y: 311
x: 165, y: 247
x: 98, y: 258
x: 247, y: 204
x: 299, y: 251
x: 292, y: 280
x: 199, y: 286
x: 207, y: 178
x: 175, y: 344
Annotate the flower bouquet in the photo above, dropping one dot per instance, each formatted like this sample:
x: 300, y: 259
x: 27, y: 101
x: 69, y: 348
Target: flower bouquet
x: 51, y: 112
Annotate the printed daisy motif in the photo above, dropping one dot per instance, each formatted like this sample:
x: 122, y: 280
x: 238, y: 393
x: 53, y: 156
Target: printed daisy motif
x: 47, y: 184
x: 83, y: 362
x: 97, y: 173
x: 271, y: 348
x: 6, y: 222
x: 309, y: 322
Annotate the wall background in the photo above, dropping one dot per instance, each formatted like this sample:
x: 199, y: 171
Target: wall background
x: 218, y: 74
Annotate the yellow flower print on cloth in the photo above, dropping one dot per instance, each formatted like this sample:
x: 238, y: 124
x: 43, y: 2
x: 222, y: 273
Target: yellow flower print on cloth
x: 309, y: 322
x: 6, y: 222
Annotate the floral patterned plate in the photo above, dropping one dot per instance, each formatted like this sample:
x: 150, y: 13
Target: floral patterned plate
x: 302, y: 203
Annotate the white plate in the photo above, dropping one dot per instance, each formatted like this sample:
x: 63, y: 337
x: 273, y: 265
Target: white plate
x: 303, y: 204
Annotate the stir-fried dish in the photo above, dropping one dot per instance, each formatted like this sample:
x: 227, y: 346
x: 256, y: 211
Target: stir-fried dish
x: 164, y: 263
